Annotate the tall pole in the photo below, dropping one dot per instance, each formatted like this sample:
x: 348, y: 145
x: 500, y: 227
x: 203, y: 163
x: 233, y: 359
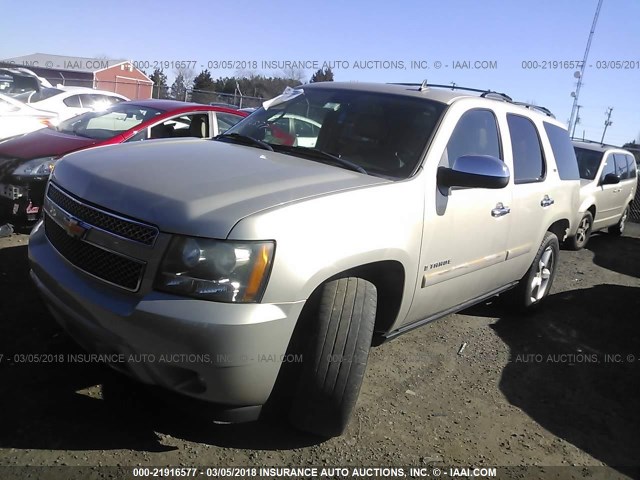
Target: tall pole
x: 580, y: 74
x: 576, y: 122
x: 607, y: 122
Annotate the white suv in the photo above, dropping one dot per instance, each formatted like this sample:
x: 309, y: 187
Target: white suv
x: 608, y: 185
x: 219, y: 258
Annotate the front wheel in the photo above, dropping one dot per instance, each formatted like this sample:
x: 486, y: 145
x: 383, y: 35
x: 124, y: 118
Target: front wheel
x: 536, y: 283
x: 335, y: 360
x: 618, y: 228
x: 580, y: 239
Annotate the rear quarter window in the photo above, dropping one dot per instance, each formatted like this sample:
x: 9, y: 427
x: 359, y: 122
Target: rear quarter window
x: 563, y: 152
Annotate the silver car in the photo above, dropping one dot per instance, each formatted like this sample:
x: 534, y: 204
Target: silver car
x: 256, y: 267
x: 609, y: 182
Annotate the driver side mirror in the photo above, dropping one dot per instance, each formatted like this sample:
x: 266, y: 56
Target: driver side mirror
x: 610, y: 179
x: 473, y: 171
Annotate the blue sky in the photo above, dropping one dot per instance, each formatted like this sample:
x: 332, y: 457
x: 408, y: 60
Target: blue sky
x: 506, y: 33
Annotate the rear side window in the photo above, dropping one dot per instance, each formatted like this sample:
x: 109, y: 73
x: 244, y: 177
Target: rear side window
x: 226, y: 121
x: 563, y: 152
x: 622, y: 170
x: 73, y: 101
x: 475, y: 134
x: 631, y: 164
x: 528, y: 160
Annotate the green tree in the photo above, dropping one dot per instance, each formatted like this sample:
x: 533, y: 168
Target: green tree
x: 178, y: 88
x: 325, y: 75
x: 160, y: 87
x: 203, y: 86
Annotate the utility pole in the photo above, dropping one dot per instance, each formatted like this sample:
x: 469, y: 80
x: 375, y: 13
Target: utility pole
x: 580, y: 74
x: 607, y: 122
x: 577, y: 121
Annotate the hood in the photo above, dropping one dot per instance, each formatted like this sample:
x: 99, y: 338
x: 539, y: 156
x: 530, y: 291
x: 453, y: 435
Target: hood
x: 197, y: 187
x: 45, y: 142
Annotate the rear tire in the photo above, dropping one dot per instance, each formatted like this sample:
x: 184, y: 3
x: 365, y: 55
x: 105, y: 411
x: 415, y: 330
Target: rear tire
x: 581, y: 238
x: 335, y: 359
x: 536, y: 283
x: 618, y: 228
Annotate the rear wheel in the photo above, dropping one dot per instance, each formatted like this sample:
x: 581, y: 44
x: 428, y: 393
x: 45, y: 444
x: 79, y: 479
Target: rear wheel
x: 335, y: 359
x: 536, y: 283
x: 618, y: 228
x: 580, y: 239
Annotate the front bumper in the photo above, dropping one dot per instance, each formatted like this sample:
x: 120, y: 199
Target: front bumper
x: 228, y: 354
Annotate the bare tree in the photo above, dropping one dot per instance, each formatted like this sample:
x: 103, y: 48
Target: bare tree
x: 187, y: 76
x: 296, y: 74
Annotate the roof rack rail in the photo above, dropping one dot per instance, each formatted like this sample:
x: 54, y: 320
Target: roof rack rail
x: 531, y: 106
x: 586, y: 140
x: 484, y: 93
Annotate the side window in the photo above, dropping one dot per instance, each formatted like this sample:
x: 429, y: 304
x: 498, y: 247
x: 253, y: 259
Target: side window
x: 475, y: 134
x: 305, y: 129
x: 72, y: 101
x: 141, y: 135
x: 563, y: 152
x: 609, y: 167
x: 194, y: 125
x: 631, y: 165
x: 528, y: 160
x: 622, y: 170
x: 226, y: 121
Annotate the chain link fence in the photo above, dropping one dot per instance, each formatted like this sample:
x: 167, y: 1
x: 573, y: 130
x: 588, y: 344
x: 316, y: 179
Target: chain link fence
x: 634, y: 210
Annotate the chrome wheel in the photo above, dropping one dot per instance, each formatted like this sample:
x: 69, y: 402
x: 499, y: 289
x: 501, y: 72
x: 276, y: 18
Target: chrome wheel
x: 623, y: 219
x: 583, y: 230
x: 540, y: 281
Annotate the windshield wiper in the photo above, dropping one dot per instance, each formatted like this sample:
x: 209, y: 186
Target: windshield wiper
x: 245, y: 139
x: 322, y: 155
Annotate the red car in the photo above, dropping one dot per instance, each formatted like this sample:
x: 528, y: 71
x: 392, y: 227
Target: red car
x: 27, y: 160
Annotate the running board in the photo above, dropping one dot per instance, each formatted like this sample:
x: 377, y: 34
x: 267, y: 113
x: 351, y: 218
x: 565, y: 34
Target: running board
x: 449, y: 311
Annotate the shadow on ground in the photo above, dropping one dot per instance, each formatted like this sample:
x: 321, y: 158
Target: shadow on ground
x: 575, y: 367
x: 618, y: 254
x: 87, y: 406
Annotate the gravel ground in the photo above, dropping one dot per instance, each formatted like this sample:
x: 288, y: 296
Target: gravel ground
x: 551, y: 389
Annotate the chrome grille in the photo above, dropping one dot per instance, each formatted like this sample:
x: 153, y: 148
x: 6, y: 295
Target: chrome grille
x: 108, y: 266
x: 122, y: 227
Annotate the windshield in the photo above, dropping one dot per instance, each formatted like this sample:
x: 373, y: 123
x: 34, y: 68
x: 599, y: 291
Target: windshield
x: 108, y: 123
x: 382, y: 134
x: 33, y: 97
x: 588, y: 162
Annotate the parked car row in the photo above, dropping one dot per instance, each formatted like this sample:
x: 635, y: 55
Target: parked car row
x: 335, y: 216
x: 27, y: 160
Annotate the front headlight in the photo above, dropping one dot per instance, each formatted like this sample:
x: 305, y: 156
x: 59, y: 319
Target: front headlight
x: 223, y: 271
x: 37, y: 167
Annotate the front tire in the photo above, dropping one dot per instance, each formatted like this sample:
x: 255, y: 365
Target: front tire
x: 581, y: 238
x: 618, y: 228
x: 536, y: 283
x: 335, y: 360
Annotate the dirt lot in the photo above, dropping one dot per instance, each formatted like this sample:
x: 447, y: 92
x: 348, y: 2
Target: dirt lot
x: 539, y: 390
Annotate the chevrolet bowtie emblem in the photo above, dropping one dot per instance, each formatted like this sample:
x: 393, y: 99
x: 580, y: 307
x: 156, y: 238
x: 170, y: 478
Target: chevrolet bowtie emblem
x: 74, y: 228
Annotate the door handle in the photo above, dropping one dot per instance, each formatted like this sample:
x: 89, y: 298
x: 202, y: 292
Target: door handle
x: 547, y: 201
x: 500, y: 210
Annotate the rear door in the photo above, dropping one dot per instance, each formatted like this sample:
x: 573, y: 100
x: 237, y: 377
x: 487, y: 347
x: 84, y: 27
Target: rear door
x: 608, y: 197
x: 533, y: 197
x: 628, y: 179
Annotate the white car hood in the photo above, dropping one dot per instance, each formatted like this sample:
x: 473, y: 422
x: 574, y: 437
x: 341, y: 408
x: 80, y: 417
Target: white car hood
x: 196, y: 187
